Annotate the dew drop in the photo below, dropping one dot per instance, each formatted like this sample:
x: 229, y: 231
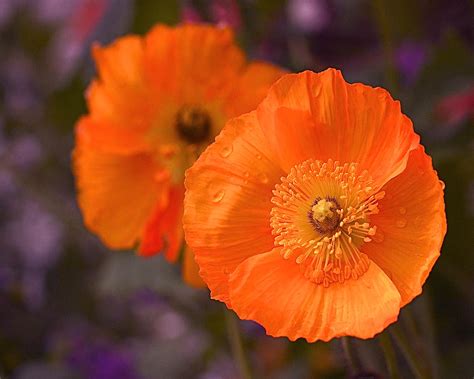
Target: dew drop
x: 263, y: 177
x: 246, y: 174
x: 402, y: 210
x: 378, y: 237
x: 258, y: 156
x: 401, y: 223
x: 218, y: 196
x: 443, y: 186
x: 226, y: 151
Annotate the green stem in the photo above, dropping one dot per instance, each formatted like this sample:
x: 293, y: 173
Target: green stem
x: 390, y: 357
x: 237, y: 346
x: 386, y: 33
x: 407, y: 351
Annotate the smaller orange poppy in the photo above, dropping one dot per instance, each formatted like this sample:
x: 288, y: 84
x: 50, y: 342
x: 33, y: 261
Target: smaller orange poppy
x: 157, y: 102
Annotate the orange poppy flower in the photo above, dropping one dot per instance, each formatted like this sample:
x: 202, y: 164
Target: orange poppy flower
x: 318, y: 215
x: 156, y: 104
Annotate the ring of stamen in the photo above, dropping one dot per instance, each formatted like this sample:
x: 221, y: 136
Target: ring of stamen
x: 321, y: 218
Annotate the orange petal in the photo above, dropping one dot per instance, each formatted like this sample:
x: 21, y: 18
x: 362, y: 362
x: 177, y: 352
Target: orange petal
x: 121, y: 62
x: 227, y: 202
x: 349, y: 123
x: 164, y: 231
x: 410, y: 226
x: 116, y: 194
x: 108, y: 138
x: 215, y: 67
x: 274, y: 292
x: 252, y: 87
x: 191, y: 270
x: 190, y: 77
x: 121, y: 100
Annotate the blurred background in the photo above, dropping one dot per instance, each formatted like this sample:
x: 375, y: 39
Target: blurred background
x: 69, y: 308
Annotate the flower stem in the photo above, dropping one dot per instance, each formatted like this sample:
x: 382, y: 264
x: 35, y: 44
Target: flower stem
x: 351, y: 358
x: 386, y: 33
x: 389, y: 354
x: 237, y: 346
x: 407, y: 351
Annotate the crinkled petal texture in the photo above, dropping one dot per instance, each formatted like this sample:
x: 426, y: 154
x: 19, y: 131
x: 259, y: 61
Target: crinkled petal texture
x: 112, y: 196
x: 227, y: 203
x: 228, y: 207
x: 410, y: 226
x: 130, y: 157
x: 275, y: 292
x: 344, y: 122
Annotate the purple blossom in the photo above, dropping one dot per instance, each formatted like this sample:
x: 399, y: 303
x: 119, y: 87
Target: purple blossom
x: 309, y: 16
x: 102, y: 361
x: 410, y: 58
x: 226, y: 12
x: 36, y: 235
x: 25, y: 151
x: 7, y: 9
x: 19, y: 80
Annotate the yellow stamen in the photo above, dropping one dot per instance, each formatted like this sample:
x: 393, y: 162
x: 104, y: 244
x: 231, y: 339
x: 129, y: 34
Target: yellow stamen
x: 321, y: 216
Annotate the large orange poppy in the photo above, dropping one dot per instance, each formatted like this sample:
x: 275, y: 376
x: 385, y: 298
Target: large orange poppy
x: 318, y: 215
x: 156, y: 104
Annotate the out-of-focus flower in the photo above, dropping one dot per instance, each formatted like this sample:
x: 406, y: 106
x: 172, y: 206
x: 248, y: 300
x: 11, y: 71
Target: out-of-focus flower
x: 103, y: 361
x: 149, y: 121
x: 456, y: 108
x: 7, y: 9
x: 7, y: 183
x: 410, y: 58
x: 53, y: 11
x: 226, y: 13
x: 89, y: 20
x: 326, y: 216
x: 190, y: 14
x: 36, y: 236
x: 309, y: 16
x: 25, y: 152
x: 222, y: 367
x: 20, y: 87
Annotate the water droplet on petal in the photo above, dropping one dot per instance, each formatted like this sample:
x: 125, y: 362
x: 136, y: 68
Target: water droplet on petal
x: 443, y: 186
x: 218, y: 196
x: 402, y: 210
x: 263, y: 177
x: 401, y: 223
x: 378, y: 237
x: 258, y: 156
x: 226, y: 151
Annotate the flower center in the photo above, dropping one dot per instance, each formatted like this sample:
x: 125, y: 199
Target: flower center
x: 193, y: 124
x: 321, y: 217
x: 323, y: 214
